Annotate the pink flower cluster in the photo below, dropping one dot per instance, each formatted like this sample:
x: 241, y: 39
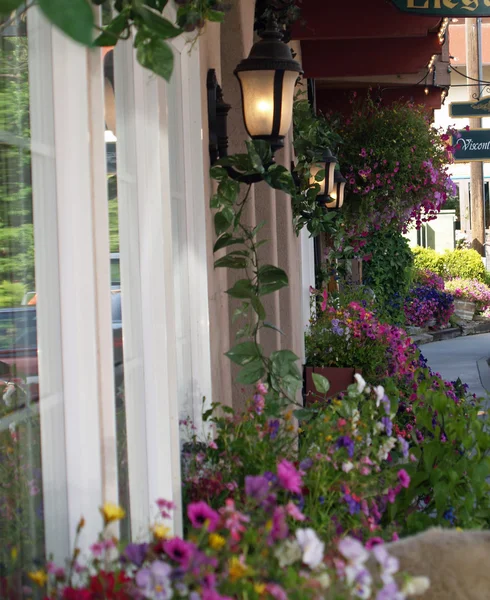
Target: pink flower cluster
x: 471, y: 290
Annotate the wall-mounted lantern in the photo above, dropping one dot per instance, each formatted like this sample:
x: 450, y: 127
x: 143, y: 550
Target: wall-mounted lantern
x: 327, y: 183
x: 267, y: 79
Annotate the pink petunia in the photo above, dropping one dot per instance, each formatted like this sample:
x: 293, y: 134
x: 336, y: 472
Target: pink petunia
x: 202, y: 515
x: 289, y: 477
x: 403, y: 478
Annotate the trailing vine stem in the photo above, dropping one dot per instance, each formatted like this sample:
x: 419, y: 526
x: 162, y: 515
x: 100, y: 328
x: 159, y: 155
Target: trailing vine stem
x: 279, y: 370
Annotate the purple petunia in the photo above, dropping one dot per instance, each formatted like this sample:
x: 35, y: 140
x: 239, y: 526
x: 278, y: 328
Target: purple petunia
x: 346, y: 442
x: 257, y: 488
x: 180, y: 551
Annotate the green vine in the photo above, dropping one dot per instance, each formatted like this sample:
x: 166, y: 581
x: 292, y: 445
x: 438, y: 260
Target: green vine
x: 143, y: 18
x: 279, y: 370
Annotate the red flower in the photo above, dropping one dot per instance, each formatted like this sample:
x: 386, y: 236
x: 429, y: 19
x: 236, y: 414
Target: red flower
x: 74, y: 594
x: 109, y: 586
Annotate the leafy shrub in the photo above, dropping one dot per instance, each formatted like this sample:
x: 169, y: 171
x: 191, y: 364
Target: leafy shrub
x: 471, y: 290
x: 11, y: 294
x: 389, y: 270
x: 426, y: 303
x: 466, y: 263
x: 427, y: 259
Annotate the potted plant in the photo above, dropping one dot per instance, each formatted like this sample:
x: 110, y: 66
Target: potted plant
x: 341, y: 342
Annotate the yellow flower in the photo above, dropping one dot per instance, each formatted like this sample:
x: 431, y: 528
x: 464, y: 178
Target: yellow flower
x: 112, y: 512
x: 216, y: 541
x: 288, y: 416
x: 38, y: 577
x: 237, y: 569
x: 328, y: 438
x: 161, y: 531
x: 14, y: 553
x: 260, y: 588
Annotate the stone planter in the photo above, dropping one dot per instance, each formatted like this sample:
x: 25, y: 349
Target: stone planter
x: 340, y: 379
x: 464, y: 310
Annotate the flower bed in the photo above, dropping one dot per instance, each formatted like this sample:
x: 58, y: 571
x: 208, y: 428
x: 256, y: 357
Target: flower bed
x: 470, y: 290
x: 426, y: 303
x: 262, y: 550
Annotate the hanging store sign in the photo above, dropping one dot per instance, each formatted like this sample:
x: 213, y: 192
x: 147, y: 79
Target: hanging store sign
x: 470, y: 109
x: 472, y: 146
x: 445, y: 8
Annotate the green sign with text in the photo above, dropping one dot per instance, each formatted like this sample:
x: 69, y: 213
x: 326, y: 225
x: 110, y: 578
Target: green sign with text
x: 473, y: 145
x: 470, y: 109
x: 445, y: 8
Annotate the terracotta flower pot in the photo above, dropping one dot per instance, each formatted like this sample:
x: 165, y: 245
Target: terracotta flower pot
x: 340, y: 378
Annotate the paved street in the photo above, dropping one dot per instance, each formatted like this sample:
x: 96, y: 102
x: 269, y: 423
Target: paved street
x: 463, y: 357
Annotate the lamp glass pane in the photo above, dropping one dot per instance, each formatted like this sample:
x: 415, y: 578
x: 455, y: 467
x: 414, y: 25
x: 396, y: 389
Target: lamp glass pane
x: 258, y: 101
x: 287, y: 101
x: 331, y: 178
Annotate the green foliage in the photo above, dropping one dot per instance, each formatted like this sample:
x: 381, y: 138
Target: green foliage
x: 450, y: 474
x: 16, y: 219
x: 464, y: 263
x: 144, y: 18
x: 427, y: 259
x: 389, y: 271
x: 11, y: 294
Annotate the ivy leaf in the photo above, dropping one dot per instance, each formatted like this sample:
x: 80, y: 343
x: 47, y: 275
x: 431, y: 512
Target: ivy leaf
x: 74, y: 17
x: 111, y: 33
x: 226, y: 239
x: 271, y: 279
x: 155, y: 54
x: 282, y: 361
x: 231, y: 262
x: 157, y: 4
x: 321, y: 383
x: 223, y: 220
x: 258, y: 307
x: 244, y: 353
x: 271, y: 326
x: 280, y: 178
x: 215, y: 16
x: 263, y: 149
x: 242, y: 289
x: 160, y: 26
x: 8, y: 6
x: 255, y: 158
x: 251, y: 373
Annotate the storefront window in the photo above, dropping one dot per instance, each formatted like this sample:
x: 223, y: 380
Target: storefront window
x: 21, y: 505
x: 111, y: 162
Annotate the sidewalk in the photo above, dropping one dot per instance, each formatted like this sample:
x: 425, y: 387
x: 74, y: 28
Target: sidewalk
x: 463, y: 357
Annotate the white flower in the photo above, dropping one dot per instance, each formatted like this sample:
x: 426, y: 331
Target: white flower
x: 380, y: 392
x: 361, y: 384
x: 416, y: 586
x: 379, y: 427
x: 288, y: 553
x: 353, y: 550
x: 324, y: 580
x: 312, y: 547
x: 347, y: 466
x: 386, y: 448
